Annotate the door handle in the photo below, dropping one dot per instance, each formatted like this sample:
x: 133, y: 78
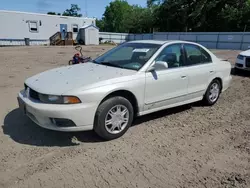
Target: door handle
x: 183, y: 77
x: 211, y: 72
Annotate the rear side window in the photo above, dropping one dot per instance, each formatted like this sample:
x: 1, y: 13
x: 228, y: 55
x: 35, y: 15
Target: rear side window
x: 196, y: 55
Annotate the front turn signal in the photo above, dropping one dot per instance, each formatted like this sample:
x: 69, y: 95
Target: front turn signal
x: 71, y: 100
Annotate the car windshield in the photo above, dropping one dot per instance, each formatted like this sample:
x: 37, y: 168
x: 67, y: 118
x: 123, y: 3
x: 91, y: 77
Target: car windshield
x: 128, y: 56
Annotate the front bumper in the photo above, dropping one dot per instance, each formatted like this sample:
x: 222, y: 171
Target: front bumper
x: 82, y: 115
x: 241, y: 64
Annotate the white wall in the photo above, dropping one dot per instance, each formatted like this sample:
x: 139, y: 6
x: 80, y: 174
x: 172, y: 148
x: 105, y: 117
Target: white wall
x: 14, y: 26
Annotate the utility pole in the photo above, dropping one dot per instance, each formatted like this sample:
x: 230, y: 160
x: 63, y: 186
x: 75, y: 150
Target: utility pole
x: 86, y: 8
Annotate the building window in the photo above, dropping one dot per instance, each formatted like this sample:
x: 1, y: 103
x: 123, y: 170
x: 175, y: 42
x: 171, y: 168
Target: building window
x: 75, y: 28
x: 33, y: 26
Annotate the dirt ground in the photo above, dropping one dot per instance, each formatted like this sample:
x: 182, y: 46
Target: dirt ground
x: 190, y: 146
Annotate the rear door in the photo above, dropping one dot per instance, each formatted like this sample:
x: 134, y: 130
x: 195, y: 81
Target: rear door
x: 200, y: 69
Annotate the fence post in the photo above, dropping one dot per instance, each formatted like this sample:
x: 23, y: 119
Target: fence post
x: 167, y: 36
x: 218, y: 37
x: 242, y: 39
x: 109, y: 37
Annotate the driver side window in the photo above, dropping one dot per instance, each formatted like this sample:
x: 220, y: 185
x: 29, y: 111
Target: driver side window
x: 172, y: 55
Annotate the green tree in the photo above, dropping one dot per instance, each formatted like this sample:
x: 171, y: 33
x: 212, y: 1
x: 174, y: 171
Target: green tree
x: 150, y: 3
x: 73, y: 11
x: 116, y: 16
x: 100, y: 24
x: 53, y: 13
x: 202, y: 15
x: 177, y: 16
x: 140, y: 20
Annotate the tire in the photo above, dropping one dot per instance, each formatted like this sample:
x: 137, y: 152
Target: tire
x: 70, y: 62
x: 208, y: 100
x: 104, y: 115
x: 238, y: 71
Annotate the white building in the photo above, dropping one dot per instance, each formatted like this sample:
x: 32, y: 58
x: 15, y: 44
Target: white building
x: 15, y: 26
x: 89, y: 35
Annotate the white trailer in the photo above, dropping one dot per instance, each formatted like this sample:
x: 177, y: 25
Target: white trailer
x: 16, y: 26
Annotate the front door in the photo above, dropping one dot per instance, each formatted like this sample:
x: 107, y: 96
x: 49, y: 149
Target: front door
x: 167, y: 86
x: 63, y: 30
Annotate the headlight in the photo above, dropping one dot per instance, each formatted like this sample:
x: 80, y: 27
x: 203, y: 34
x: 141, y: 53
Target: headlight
x: 54, y: 99
x: 241, y: 57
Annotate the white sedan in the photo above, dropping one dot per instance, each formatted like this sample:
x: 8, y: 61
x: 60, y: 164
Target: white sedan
x: 243, y: 61
x: 132, y: 79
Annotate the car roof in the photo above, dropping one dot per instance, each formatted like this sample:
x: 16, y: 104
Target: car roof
x: 160, y: 42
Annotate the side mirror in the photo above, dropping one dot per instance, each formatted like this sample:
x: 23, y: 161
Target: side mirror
x: 151, y: 69
x: 161, y: 65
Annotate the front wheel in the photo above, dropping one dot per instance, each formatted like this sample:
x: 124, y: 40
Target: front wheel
x: 213, y: 93
x: 70, y: 62
x: 237, y: 71
x: 113, y: 118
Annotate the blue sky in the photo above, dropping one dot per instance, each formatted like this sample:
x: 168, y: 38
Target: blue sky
x: 95, y: 8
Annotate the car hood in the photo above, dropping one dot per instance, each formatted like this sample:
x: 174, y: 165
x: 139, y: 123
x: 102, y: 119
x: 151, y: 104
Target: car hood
x: 60, y: 80
x: 245, y: 53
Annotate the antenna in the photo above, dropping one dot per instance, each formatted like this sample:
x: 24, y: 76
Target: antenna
x: 86, y: 8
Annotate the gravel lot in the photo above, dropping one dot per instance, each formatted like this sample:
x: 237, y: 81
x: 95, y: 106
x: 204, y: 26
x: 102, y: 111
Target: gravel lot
x: 189, y: 146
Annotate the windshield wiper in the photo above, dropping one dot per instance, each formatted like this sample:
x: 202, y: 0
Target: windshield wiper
x: 94, y: 61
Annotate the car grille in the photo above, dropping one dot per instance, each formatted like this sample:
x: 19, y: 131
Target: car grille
x: 248, y: 62
x: 34, y: 94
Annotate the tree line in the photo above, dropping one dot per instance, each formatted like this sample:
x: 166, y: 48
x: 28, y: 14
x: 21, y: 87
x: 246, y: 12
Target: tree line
x: 173, y: 16
x: 72, y: 11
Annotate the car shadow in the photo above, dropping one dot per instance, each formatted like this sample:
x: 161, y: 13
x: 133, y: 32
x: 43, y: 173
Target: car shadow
x: 22, y: 130
x: 241, y: 73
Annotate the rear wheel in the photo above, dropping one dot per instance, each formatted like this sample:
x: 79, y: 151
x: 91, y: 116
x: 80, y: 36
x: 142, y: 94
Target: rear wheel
x: 213, y: 93
x: 113, y: 118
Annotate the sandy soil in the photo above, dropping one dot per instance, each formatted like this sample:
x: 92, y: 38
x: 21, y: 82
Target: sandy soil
x: 190, y: 146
